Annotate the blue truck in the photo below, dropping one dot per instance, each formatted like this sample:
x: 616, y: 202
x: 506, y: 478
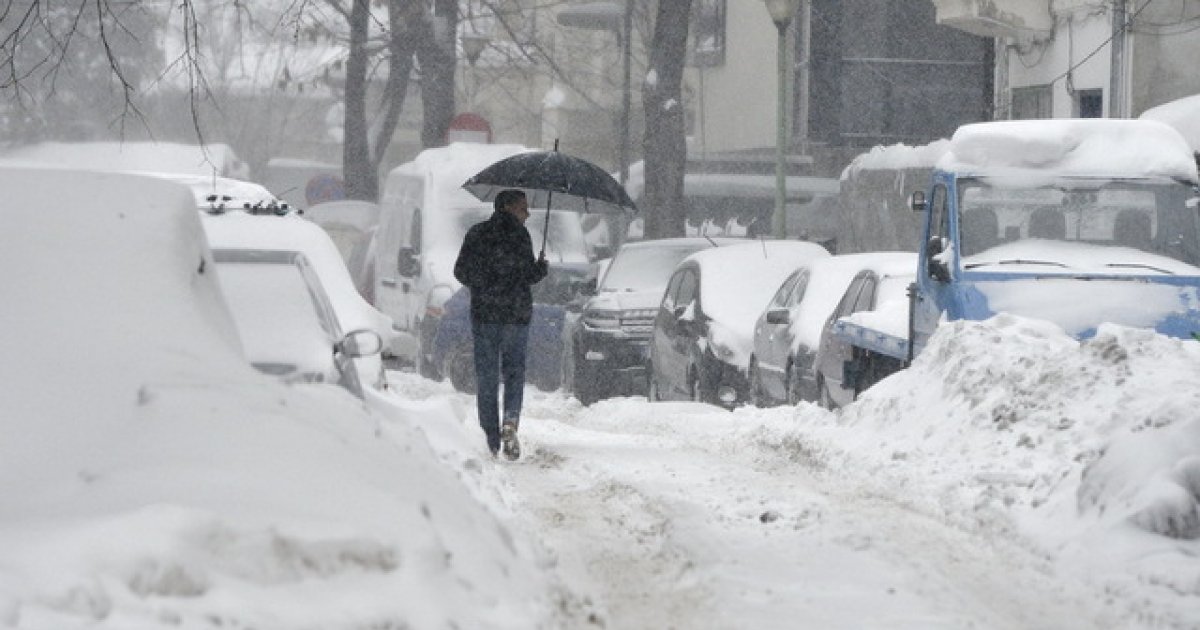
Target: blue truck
x: 1074, y: 221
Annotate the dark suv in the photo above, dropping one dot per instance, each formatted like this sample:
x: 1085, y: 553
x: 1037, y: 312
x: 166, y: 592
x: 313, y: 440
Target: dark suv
x: 605, y: 351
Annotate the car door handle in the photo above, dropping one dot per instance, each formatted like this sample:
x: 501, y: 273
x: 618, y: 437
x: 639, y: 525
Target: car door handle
x: 389, y: 282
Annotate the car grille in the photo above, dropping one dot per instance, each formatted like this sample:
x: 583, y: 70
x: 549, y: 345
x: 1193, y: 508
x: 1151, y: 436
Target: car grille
x: 638, y: 323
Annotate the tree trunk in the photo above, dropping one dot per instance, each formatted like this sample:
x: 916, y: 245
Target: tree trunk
x: 437, y: 58
x: 361, y: 180
x: 665, y: 143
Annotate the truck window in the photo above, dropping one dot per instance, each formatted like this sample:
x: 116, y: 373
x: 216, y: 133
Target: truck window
x: 783, y: 295
x: 850, y: 298
x: 940, y: 220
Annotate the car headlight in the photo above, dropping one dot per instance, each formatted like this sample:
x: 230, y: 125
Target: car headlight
x: 608, y: 320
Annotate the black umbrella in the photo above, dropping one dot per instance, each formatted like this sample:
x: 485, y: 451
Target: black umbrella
x: 550, y: 178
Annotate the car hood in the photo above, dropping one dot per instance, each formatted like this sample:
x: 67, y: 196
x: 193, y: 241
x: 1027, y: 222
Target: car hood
x: 625, y: 300
x: 1169, y: 306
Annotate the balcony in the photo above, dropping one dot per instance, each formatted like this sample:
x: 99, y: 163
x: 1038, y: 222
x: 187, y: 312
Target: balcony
x: 997, y: 18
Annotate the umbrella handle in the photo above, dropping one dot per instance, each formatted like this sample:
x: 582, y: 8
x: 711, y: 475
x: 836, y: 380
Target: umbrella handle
x: 546, y: 226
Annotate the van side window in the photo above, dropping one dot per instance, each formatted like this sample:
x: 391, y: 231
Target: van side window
x: 415, y: 235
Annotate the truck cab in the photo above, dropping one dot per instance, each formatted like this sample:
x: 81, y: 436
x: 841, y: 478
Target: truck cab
x: 1077, y: 222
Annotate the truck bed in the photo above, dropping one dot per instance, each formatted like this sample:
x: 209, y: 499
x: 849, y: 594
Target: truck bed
x: 870, y: 339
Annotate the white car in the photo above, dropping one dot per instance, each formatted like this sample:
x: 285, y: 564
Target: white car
x: 286, y: 323
x: 288, y: 232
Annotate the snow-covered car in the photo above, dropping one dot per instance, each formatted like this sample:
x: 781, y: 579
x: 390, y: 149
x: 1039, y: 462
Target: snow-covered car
x: 607, y: 346
x: 788, y: 333
x: 268, y: 230
x: 703, y: 331
x: 878, y: 294
x: 286, y: 323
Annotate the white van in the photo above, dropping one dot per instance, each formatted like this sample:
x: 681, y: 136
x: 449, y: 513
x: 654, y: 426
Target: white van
x: 424, y: 216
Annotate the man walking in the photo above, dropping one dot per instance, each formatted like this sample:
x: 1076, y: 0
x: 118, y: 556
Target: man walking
x: 496, y: 263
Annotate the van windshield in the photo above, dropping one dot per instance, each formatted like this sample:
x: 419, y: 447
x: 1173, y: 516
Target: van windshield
x: 1143, y: 216
x: 565, y: 243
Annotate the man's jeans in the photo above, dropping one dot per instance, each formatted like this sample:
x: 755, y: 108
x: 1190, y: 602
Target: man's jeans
x: 499, y: 352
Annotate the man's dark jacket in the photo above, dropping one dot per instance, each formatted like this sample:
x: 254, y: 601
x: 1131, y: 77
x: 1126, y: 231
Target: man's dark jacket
x: 496, y: 263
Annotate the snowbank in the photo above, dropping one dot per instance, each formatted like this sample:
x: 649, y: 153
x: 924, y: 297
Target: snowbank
x: 150, y: 478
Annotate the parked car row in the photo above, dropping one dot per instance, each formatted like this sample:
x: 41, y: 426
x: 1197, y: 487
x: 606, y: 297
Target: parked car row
x: 726, y: 321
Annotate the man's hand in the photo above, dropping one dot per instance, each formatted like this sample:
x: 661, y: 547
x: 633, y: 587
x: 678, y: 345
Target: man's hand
x: 542, y: 264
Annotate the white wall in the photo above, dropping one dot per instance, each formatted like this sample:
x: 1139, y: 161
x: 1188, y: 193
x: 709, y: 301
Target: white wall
x: 1076, y: 35
x: 739, y: 96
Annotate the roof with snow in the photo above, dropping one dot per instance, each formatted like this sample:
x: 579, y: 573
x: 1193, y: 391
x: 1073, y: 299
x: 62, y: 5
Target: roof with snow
x: 1072, y: 147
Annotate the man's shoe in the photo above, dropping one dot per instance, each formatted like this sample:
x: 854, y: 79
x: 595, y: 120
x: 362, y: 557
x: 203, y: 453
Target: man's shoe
x: 508, y: 441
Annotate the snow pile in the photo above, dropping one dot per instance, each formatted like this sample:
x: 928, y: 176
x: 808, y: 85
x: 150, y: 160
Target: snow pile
x: 1088, y: 451
x: 1182, y: 114
x: 1071, y: 147
x: 150, y: 478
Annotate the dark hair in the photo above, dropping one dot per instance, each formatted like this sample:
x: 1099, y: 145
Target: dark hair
x: 506, y: 197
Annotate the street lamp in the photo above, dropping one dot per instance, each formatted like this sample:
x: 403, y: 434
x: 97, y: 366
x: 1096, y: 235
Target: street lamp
x: 605, y: 15
x: 472, y: 45
x: 781, y: 12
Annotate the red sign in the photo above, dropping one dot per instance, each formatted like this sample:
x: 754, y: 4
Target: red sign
x: 469, y: 127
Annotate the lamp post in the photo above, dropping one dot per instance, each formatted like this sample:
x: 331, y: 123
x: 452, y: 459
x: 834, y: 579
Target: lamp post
x: 472, y: 45
x: 606, y: 15
x: 781, y: 12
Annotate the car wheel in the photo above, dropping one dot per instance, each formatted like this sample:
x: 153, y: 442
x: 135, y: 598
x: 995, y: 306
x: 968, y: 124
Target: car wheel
x: 653, y: 394
x: 587, y: 390
x: 794, y: 387
x: 757, y: 397
x: 460, y: 368
x: 426, y: 368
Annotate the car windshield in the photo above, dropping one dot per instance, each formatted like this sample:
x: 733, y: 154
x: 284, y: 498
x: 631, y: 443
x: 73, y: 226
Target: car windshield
x: 1151, y: 216
x: 645, y: 268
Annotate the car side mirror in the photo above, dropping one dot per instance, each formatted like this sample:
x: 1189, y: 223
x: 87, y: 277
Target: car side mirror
x: 937, y: 268
x: 360, y: 343
x: 917, y: 202
x: 406, y: 262
x: 778, y: 316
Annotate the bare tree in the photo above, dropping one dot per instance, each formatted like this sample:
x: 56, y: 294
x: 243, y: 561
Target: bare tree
x: 665, y: 141
x: 72, y: 68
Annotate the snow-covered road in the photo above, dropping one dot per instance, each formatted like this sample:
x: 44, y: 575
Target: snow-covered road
x: 673, y: 515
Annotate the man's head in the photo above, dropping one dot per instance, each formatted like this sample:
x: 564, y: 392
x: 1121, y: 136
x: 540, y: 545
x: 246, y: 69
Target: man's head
x: 514, y: 203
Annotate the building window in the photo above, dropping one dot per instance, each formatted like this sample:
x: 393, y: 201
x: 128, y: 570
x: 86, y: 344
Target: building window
x: 1089, y: 103
x: 708, y: 48
x: 1031, y: 102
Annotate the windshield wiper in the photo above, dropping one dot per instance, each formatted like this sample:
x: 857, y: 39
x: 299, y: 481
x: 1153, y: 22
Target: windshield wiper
x: 1140, y: 266
x: 1015, y: 261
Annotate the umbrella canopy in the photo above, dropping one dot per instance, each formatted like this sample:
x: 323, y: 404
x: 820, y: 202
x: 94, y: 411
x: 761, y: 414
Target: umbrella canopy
x: 555, y: 181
